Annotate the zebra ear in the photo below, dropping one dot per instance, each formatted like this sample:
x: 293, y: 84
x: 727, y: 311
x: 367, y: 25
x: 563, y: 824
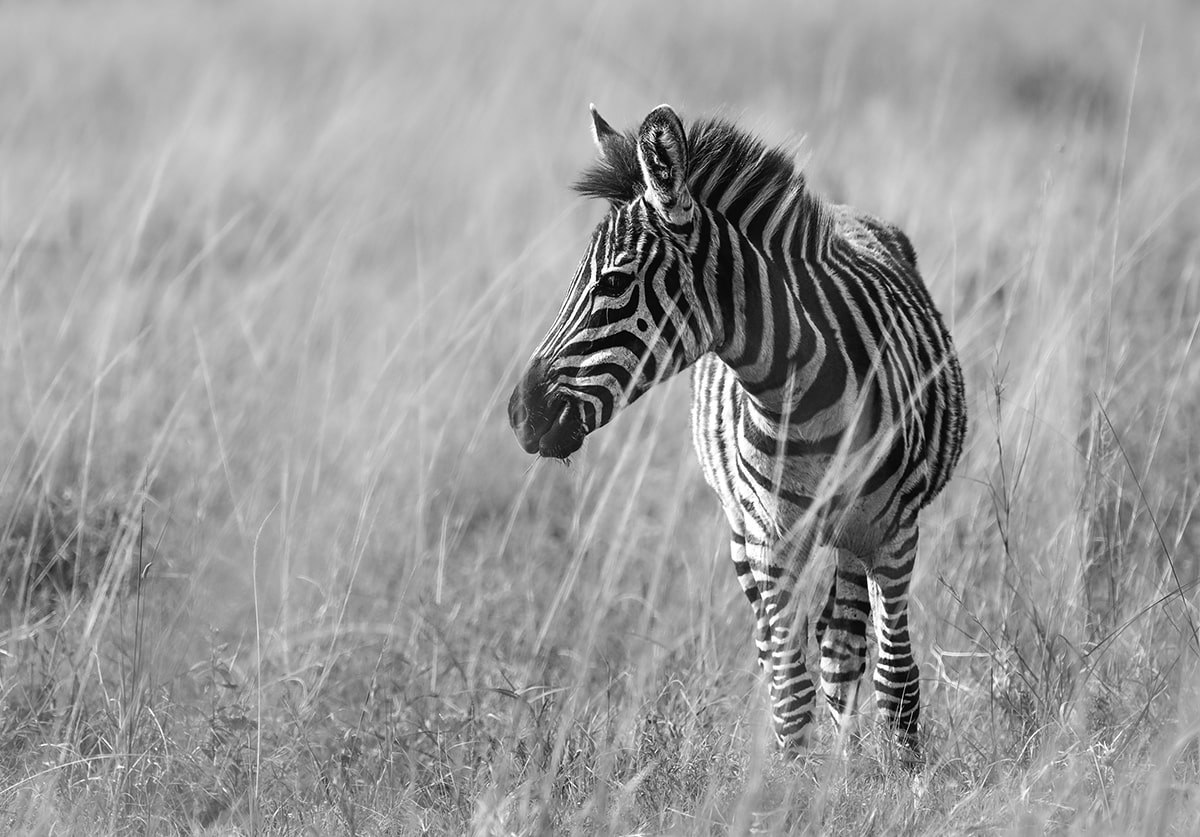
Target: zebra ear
x: 662, y: 153
x: 604, y: 135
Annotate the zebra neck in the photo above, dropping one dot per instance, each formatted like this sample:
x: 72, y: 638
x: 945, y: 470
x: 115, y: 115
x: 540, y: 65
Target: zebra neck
x: 761, y: 330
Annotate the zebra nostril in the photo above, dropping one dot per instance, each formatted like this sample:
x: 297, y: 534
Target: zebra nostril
x: 517, y: 413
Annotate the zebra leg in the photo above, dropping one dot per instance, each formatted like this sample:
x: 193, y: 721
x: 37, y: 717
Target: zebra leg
x: 897, y: 677
x: 745, y: 576
x: 842, y: 634
x: 792, y: 690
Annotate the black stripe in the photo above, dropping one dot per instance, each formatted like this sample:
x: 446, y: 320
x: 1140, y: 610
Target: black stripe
x: 700, y: 257
x: 607, y: 315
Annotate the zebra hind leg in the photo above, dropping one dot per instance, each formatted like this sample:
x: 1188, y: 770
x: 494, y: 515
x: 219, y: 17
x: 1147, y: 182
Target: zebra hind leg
x: 842, y: 635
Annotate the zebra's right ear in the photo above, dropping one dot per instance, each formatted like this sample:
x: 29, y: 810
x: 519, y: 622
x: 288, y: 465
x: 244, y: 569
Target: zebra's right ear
x: 604, y: 135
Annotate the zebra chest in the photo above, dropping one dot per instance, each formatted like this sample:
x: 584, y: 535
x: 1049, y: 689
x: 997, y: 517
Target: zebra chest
x: 784, y: 486
x: 816, y: 494
x: 789, y: 487
x: 778, y: 485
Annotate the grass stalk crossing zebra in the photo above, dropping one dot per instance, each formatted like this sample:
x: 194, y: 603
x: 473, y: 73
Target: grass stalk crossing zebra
x: 828, y: 403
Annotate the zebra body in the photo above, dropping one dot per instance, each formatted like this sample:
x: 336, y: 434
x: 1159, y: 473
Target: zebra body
x: 828, y: 403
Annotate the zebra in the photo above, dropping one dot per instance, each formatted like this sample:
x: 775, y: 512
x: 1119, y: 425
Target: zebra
x: 828, y: 404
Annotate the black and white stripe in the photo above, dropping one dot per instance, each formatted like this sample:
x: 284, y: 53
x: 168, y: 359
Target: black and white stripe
x: 828, y: 402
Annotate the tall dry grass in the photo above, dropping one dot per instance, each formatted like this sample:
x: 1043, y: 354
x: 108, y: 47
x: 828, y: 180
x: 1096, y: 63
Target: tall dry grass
x: 273, y: 563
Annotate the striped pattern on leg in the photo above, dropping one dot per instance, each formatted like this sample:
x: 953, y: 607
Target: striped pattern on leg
x: 897, y: 677
x: 792, y: 691
x: 842, y: 634
x: 745, y: 576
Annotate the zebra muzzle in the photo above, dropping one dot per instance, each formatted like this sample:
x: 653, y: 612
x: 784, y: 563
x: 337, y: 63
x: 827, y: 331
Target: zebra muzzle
x: 549, y: 424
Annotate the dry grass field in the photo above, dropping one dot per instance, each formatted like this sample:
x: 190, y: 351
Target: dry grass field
x: 272, y: 562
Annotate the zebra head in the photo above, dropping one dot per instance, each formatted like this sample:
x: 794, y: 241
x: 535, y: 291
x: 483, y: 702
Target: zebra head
x: 629, y: 319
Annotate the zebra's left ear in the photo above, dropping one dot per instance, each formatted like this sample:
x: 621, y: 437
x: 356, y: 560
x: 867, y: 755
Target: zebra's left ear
x: 663, y: 155
x: 608, y: 141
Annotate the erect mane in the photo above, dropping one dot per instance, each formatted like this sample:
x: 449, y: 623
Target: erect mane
x: 723, y: 163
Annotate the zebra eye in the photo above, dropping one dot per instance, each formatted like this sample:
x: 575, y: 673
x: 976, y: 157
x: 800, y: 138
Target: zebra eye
x: 614, y: 282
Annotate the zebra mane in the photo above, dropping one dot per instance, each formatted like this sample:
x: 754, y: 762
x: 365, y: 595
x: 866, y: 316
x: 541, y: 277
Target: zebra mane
x: 724, y: 163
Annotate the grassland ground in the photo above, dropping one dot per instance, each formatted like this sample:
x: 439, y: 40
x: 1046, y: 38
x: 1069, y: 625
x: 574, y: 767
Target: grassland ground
x: 272, y: 561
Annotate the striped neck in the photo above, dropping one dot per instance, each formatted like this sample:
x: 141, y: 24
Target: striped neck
x: 754, y: 271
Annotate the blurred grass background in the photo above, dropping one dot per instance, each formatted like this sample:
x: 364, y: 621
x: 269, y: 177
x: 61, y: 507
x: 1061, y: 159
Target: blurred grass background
x: 272, y: 561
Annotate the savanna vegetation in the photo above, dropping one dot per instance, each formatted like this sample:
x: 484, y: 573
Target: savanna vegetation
x: 272, y: 562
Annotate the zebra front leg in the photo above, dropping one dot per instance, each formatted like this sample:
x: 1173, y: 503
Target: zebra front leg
x: 897, y: 677
x: 842, y: 635
x: 745, y: 576
x: 792, y: 690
